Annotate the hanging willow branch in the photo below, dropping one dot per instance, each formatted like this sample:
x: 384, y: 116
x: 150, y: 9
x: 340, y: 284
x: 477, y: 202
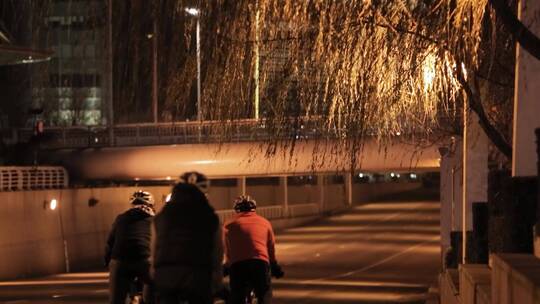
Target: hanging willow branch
x: 363, y: 68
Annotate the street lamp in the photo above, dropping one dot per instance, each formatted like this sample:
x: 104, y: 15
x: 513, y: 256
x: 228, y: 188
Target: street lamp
x: 192, y: 11
x: 53, y: 205
x: 196, y: 13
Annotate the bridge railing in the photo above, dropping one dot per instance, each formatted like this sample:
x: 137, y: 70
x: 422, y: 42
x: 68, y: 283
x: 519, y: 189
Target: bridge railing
x: 186, y: 132
x: 303, y: 210
x: 31, y: 178
x: 171, y: 133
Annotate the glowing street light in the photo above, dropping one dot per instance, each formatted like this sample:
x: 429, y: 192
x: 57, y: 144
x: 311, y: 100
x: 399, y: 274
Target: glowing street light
x: 195, y: 13
x: 429, y: 72
x: 53, y: 204
x: 192, y: 11
x: 50, y: 205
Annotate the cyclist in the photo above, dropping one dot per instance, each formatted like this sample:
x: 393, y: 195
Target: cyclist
x: 249, y: 253
x: 127, y: 251
x: 188, y: 250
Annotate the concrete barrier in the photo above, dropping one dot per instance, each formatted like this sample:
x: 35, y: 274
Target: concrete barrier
x: 36, y: 241
x: 472, y: 279
x: 516, y: 279
x: 32, y: 237
x: 448, y: 280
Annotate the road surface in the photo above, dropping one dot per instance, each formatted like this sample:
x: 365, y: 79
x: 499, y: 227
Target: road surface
x: 385, y: 252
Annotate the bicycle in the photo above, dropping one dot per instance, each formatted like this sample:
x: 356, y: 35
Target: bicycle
x: 135, y: 295
x: 275, y: 271
x: 251, y: 298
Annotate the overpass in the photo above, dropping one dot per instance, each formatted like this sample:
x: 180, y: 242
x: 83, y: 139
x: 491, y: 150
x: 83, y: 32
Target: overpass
x: 220, y: 149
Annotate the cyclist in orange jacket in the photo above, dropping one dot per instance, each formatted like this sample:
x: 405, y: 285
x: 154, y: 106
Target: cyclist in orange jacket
x: 249, y: 253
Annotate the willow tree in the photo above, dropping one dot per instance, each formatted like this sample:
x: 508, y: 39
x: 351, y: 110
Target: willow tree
x: 377, y: 68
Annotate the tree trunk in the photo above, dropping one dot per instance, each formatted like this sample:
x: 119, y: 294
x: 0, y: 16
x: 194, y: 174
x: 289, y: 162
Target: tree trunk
x: 527, y: 39
x: 476, y: 105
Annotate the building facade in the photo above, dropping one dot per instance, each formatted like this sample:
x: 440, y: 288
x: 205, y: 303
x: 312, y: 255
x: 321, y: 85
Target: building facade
x: 70, y: 87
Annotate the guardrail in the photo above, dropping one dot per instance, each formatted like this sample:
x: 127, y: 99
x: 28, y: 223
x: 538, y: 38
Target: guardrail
x: 30, y: 178
x: 303, y: 210
x: 186, y: 132
x: 164, y: 133
x: 275, y: 212
x: 172, y: 133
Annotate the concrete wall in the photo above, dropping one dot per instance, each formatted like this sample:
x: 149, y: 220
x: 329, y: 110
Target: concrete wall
x: 372, y: 192
x: 32, y: 237
x: 264, y: 195
x: 222, y: 197
x: 303, y: 194
x: 334, y: 196
x: 27, y: 233
x: 31, y: 241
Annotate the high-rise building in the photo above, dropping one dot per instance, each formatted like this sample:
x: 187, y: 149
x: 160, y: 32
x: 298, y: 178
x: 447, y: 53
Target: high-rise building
x: 70, y: 87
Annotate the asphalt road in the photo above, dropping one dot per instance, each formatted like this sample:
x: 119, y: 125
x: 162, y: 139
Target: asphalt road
x: 385, y: 252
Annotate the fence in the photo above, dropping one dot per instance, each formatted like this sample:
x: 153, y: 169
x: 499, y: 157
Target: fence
x: 171, y: 133
x: 275, y: 212
x: 29, y: 178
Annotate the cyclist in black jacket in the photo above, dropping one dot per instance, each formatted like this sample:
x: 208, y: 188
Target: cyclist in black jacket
x: 127, y: 253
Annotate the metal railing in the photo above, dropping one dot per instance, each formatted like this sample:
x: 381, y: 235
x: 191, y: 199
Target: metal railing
x: 31, y: 178
x: 188, y: 132
x: 225, y: 215
x: 275, y: 212
x: 171, y: 133
x: 303, y: 210
x: 271, y: 213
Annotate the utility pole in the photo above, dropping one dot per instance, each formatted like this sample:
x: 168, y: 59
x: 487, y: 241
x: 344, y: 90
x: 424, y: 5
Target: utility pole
x: 109, y: 73
x: 155, y: 83
x: 200, y: 116
x: 257, y: 62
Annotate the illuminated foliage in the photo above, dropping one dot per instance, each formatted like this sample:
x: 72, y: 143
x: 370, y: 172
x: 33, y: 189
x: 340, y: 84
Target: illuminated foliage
x: 378, y: 68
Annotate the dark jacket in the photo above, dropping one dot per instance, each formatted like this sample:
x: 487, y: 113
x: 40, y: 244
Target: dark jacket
x: 185, y: 230
x: 130, y: 236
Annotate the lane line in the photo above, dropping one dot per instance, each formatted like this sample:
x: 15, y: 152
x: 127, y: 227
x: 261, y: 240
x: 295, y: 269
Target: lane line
x: 414, y: 208
x: 343, y: 275
x: 389, y: 258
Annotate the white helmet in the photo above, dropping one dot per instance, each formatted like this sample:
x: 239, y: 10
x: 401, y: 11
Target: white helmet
x: 142, y: 198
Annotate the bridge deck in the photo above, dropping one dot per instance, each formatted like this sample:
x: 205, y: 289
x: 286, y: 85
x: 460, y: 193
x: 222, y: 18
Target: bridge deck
x: 376, y: 253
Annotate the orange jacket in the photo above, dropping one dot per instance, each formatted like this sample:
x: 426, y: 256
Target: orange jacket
x: 248, y: 236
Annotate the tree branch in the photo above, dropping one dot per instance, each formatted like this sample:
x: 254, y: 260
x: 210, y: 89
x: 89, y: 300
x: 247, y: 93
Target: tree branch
x: 476, y: 105
x: 527, y: 39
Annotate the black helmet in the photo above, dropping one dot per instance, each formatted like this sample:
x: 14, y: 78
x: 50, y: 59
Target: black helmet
x: 142, y: 198
x: 195, y: 178
x: 244, y: 203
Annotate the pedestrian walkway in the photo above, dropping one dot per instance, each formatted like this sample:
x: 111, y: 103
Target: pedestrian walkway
x: 385, y: 252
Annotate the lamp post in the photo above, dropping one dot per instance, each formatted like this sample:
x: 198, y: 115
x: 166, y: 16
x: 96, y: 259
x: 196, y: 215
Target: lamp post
x: 155, y: 82
x: 257, y: 63
x: 64, y: 240
x: 54, y: 205
x: 196, y: 13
